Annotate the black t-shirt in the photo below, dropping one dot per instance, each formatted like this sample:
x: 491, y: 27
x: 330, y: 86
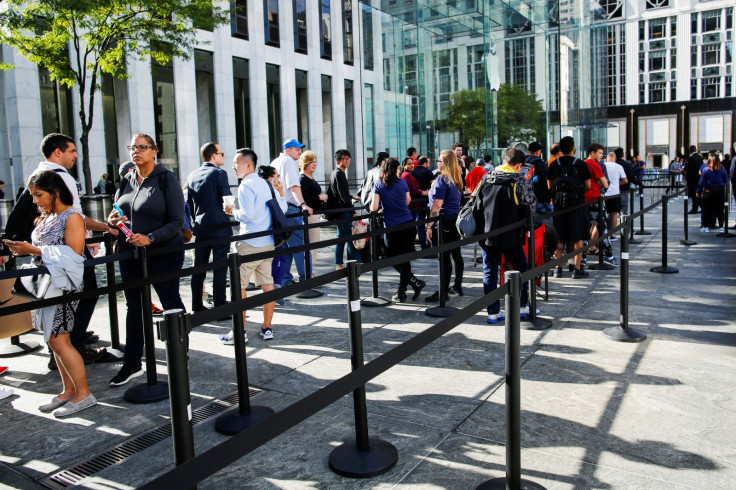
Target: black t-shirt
x: 424, y: 177
x: 311, y: 191
x: 580, y: 166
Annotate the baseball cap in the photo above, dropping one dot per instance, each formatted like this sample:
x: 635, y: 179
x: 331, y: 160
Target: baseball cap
x: 535, y: 146
x: 292, y: 143
x: 480, y: 161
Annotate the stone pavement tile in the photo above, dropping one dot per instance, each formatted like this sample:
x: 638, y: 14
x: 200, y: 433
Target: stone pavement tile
x: 463, y: 461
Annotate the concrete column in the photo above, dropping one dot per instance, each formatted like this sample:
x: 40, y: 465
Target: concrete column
x: 141, y: 118
x: 683, y: 56
x: 224, y: 95
x: 632, y: 63
x: 187, y: 127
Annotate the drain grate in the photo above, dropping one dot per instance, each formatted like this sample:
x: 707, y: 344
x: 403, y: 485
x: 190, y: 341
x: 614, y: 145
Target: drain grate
x: 74, y: 476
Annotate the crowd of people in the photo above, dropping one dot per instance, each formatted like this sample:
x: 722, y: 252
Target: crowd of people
x: 153, y: 210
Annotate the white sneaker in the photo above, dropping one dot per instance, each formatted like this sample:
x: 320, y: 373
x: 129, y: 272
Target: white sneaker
x: 495, y: 318
x: 5, y: 392
x: 227, y: 339
x: 267, y: 334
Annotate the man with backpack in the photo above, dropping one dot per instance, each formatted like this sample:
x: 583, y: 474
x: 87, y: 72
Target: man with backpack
x: 569, y: 179
x: 504, y: 197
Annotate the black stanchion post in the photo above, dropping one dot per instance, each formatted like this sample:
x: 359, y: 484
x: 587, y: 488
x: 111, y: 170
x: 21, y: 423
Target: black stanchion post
x: 153, y: 390
x: 16, y: 348
x: 664, y: 268
x: 623, y: 333
x: 441, y: 311
x: 726, y: 205
x: 363, y: 457
x: 632, y: 240
x: 375, y: 299
x: 173, y: 330
x: 245, y: 415
x: 533, y: 322
x: 686, y: 241
x: 513, y: 479
x: 641, y: 216
x: 112, y: 300
x: 309, y: 293
x: 600, y: 266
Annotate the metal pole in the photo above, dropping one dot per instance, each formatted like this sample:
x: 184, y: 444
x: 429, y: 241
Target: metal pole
x: 686, y: 241
x: 727, y: 204
x: 375, y: 299
x: 664, y: 268
x: 623, y: 333
x: 442, y: 259
x: 641, y: 216
x: 309, y: 293
x: 112, y: 300
x: 513, y: 391
x: 632, y: 240
x: 174, y: 330
x: 600, y: 266
x: 364, y: 457
x: 533, y: 322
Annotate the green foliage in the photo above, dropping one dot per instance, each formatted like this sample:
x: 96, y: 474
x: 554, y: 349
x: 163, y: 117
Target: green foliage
x: 521, y: 116
x: 466, y: 114
x: 79, y: 40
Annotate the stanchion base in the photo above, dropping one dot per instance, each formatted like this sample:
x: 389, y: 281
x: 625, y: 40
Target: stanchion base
x: 144, y: 393
x: 538, y: 323
x: 641, y: 233
x: 347, y: 460
x: 375, y: 301
x: 19, y: 349
x: 688, y: 242
x: 441, y: 311
x: 624, y: 334
x: 725, y: 234
x: 500, y: 484
x: 634, y: 241
x: 601, y: 267
x: 310, y: 294
x: 665, y: 270
x: 233, y: 422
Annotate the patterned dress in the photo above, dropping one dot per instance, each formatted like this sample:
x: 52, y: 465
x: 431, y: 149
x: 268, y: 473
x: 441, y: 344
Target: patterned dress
x: 50, y: 231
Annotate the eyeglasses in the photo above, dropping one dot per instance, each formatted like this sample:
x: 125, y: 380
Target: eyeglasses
x: 139, y: 147
x: 346, y: 159
x: 220, y: 153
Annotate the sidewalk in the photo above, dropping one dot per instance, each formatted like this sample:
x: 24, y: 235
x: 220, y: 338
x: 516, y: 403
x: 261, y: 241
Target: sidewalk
x: 595, y: 413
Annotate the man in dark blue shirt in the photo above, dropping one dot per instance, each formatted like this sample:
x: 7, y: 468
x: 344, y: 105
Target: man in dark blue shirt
x: 424, y: 178
x: 206, y: 187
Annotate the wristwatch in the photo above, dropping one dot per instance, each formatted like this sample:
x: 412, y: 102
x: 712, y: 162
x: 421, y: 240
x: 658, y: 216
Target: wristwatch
x: 150, y: 238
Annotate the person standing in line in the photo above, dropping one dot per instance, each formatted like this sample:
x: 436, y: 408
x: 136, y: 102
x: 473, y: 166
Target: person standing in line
x: 313, y: 196
x: 391, y: 193
x: 339, y: 185
x: 424, y: 178
x: 254, y: 216
x: 457, y: 149
x: 598, y: 187
x: 369, y: 181
x: 617, y: 178
x: 152, y: 202
x: 624, y: 188
x: 712, y: 190
x: 692, y: 178
x: 539, y: 181
x: 473, y: 178
x: 285, y: 164
x: 206, y: 186
x: 413, y: 154
x: 415, y: 193
x: 445, y: 196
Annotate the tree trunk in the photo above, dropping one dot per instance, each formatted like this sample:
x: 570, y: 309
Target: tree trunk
x: 84, y: 140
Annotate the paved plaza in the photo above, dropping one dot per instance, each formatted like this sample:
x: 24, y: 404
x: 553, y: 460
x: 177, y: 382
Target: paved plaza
x: 659, y: 414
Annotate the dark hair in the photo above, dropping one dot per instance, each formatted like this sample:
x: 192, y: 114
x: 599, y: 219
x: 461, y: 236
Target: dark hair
x: 249, y: 154
x: 207, y: 151
x: 554, y: 149
x: 380, y: 157
x: 422, y: 160
x: 467, y: 161
x: 55, y: 141
x: 148, y: 139
x: 51, y: 182
x: 409, y: 159
x: 567, y: 145
x: 514, y: 156
x: 594, y: 147
x: 2, y: 183
x: 457, y: 145
x: 411, y: 151
x: 619, y: 153
x: 487, y: 158
x: 693, y: 149
x: 388, y: 171
x: 339, y: 154
x: 266, y: 171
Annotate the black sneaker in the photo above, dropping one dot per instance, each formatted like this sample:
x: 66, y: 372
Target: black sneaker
x: 580, y: 273
x: 92, y: 339
x: 127, y: 372
x: 558, y: 272
x: 90, y: 355
x: 458, y: 290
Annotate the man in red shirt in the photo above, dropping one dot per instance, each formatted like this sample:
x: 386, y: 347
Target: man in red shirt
x: 595, y: 153
x: 474, y: 176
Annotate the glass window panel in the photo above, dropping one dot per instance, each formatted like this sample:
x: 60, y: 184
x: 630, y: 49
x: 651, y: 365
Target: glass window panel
x: 164, y: 109
x: 711, y: 88
x: 271, y: 22
x: 367, y: 37
x: 205, y: 84
x: 300, y: 26
x: 657, y: 28
x: 347, y: 32
x: 711, y: 20
x: 711, y: 54
x: 302, y: 107
x: 325, y: 30
x: 239, y: 19
x: 657, y: 60
x: 243, y: 135
x: 273, y: 101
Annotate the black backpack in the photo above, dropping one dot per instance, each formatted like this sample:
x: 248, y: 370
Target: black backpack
x: 566, y: 186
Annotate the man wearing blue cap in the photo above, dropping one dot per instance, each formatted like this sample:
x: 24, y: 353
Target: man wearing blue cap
x: 285, y: 164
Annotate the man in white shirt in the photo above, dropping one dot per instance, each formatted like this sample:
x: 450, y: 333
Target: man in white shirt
x: 616, y: 177
x: 286, y: 165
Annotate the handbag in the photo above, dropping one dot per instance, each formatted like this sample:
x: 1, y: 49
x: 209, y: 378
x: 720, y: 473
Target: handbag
x: 358, y: 228
x: 466, y: 223
x: 37, y: 286
x: 278, y: 220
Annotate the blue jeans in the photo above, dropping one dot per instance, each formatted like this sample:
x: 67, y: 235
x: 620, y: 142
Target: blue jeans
x: 345, y: 229
x: 278, y: 266
x: 202, y: 256
x: 295, y: 240
x: 419, y: 215
x: 168, y: 293
x: 491, y: 264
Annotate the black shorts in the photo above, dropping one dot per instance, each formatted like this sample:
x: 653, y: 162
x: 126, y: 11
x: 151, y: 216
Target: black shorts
x: 613, y: 205
x: 571, y: 226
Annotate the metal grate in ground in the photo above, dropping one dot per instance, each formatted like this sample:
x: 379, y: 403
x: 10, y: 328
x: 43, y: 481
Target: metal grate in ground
x: 73, y: 476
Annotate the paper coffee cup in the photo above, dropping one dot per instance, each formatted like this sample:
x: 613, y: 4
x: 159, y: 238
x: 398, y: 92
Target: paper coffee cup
x: 228, y: 200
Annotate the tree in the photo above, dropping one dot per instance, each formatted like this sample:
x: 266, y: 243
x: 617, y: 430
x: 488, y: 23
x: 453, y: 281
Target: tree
x: 79, y: 40
x: 466, y: 114
x: 521, y: 116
